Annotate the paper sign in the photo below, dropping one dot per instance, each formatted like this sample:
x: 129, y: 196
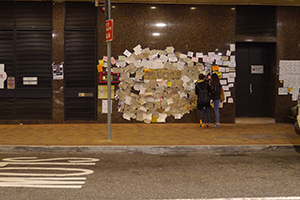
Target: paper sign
x: 215, y: 67
x: 105, y: 106
x: 127, y: 53
x: 195, y: 59
x: 282, y: 91
x: 257, y: 69
x: 199, y: 55
x: 190, y: 54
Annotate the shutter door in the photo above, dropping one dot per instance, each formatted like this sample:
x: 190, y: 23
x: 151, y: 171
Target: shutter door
x: 34, y: 57
x: 80, y: 61
x: 26, y: 51
x: 7, y: 58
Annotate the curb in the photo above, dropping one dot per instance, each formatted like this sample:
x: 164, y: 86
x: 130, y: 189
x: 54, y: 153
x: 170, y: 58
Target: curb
x: 205, y: 149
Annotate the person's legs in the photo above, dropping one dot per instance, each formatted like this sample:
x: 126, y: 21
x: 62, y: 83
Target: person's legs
x: 202, y: 114
x: 207, y: 110
x: 217, y: 113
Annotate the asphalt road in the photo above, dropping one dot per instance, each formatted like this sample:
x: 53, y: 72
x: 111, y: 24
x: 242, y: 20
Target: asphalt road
x: 144, y: 176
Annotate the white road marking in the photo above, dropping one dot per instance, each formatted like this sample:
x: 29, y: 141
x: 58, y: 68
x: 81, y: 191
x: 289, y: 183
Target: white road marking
x: 43, y: 180
x: 83, y: 171
x: 42, y: 186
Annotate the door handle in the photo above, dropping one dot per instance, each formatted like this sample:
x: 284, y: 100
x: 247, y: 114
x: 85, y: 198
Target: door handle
x: 250, y: 88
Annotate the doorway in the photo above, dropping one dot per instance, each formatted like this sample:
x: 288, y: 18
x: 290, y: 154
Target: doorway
x: 255, y: 82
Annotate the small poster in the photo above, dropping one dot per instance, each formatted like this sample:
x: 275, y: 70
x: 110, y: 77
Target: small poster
x: 58, y: 72
x: 11, y: 83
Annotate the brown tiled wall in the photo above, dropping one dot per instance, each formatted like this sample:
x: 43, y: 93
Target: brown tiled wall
x: 58, y: 57
x: 288, y: 48
x: 204, y: 29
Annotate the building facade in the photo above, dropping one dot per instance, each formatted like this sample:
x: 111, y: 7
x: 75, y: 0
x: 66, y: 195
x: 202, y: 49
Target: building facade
x: 41, y: 41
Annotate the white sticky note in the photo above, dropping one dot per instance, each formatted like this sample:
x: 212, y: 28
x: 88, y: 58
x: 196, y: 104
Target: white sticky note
x: 127, y: 100
x: 232, y: 47
x: 177, y: 116
x: 137, y: 50
x: 127, y: 53
x: 223, y: 82
x: 282, y: 91
x: 162, y: 117
x: 230, y: 80
x: 126, y: 116
x: 222, y: 69
x: 170, y: 101
x: 199, y: 54
x: 190, y: 54
x: 142, y: 108
x: 228, y: 53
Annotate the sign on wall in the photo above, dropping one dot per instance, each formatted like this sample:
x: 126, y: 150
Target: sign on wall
x: 58, y: 72
x: 257, y: 69
x: 109, y: 30
x: 3, y: 76
x: 11, y: 83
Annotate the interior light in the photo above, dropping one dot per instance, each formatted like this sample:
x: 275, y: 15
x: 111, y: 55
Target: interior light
x: 156, y: 34
x: 152, y: 7
x: 193, y: 8
x: 161, y: 24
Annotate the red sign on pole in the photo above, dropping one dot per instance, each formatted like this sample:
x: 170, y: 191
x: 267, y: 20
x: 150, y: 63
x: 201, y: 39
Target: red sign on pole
x: 109, y: 30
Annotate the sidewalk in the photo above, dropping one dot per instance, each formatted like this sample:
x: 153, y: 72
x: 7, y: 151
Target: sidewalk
x: 143, y: 135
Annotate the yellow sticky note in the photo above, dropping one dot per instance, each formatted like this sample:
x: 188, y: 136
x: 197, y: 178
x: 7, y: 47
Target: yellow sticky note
x: 100, y: 69
x: 101, y: 62
x: 169, y: 84
x: 154, y: 118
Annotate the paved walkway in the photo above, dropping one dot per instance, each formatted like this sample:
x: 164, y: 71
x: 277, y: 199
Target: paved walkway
x: 138, y: 134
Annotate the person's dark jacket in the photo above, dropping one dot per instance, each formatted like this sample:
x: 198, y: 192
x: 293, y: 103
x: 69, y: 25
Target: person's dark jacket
x: 200, y: 86
x: 216, y: 91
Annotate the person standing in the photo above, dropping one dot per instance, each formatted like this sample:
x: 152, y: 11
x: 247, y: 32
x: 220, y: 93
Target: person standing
x: 215, y: 95
x: 203, y: 90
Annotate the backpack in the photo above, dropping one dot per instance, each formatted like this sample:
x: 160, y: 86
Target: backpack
x: 222, y: 96
x: 203, y: 96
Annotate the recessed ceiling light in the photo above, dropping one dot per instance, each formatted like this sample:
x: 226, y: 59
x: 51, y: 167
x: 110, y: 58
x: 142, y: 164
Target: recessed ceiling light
x: 160, y: 24
x: 193, y: 8
x: 156, y: 34
x: 152, y: 7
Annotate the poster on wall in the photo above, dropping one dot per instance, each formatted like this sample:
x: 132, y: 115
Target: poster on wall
x: 11, y: 83
x: 3, y: 76
x: 58, y: 71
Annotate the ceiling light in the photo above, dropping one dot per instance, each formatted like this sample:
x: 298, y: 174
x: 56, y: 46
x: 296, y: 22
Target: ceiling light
x: 160, y: 24
x: 152, y: 7
x: 193, y: 8
x: 156, y: 34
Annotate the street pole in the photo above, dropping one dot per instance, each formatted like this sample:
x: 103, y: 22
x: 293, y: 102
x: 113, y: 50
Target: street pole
x: 107, y: 10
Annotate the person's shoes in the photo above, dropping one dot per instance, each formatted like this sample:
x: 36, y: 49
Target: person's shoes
x: 216, y: 125
x: 203, y: 125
